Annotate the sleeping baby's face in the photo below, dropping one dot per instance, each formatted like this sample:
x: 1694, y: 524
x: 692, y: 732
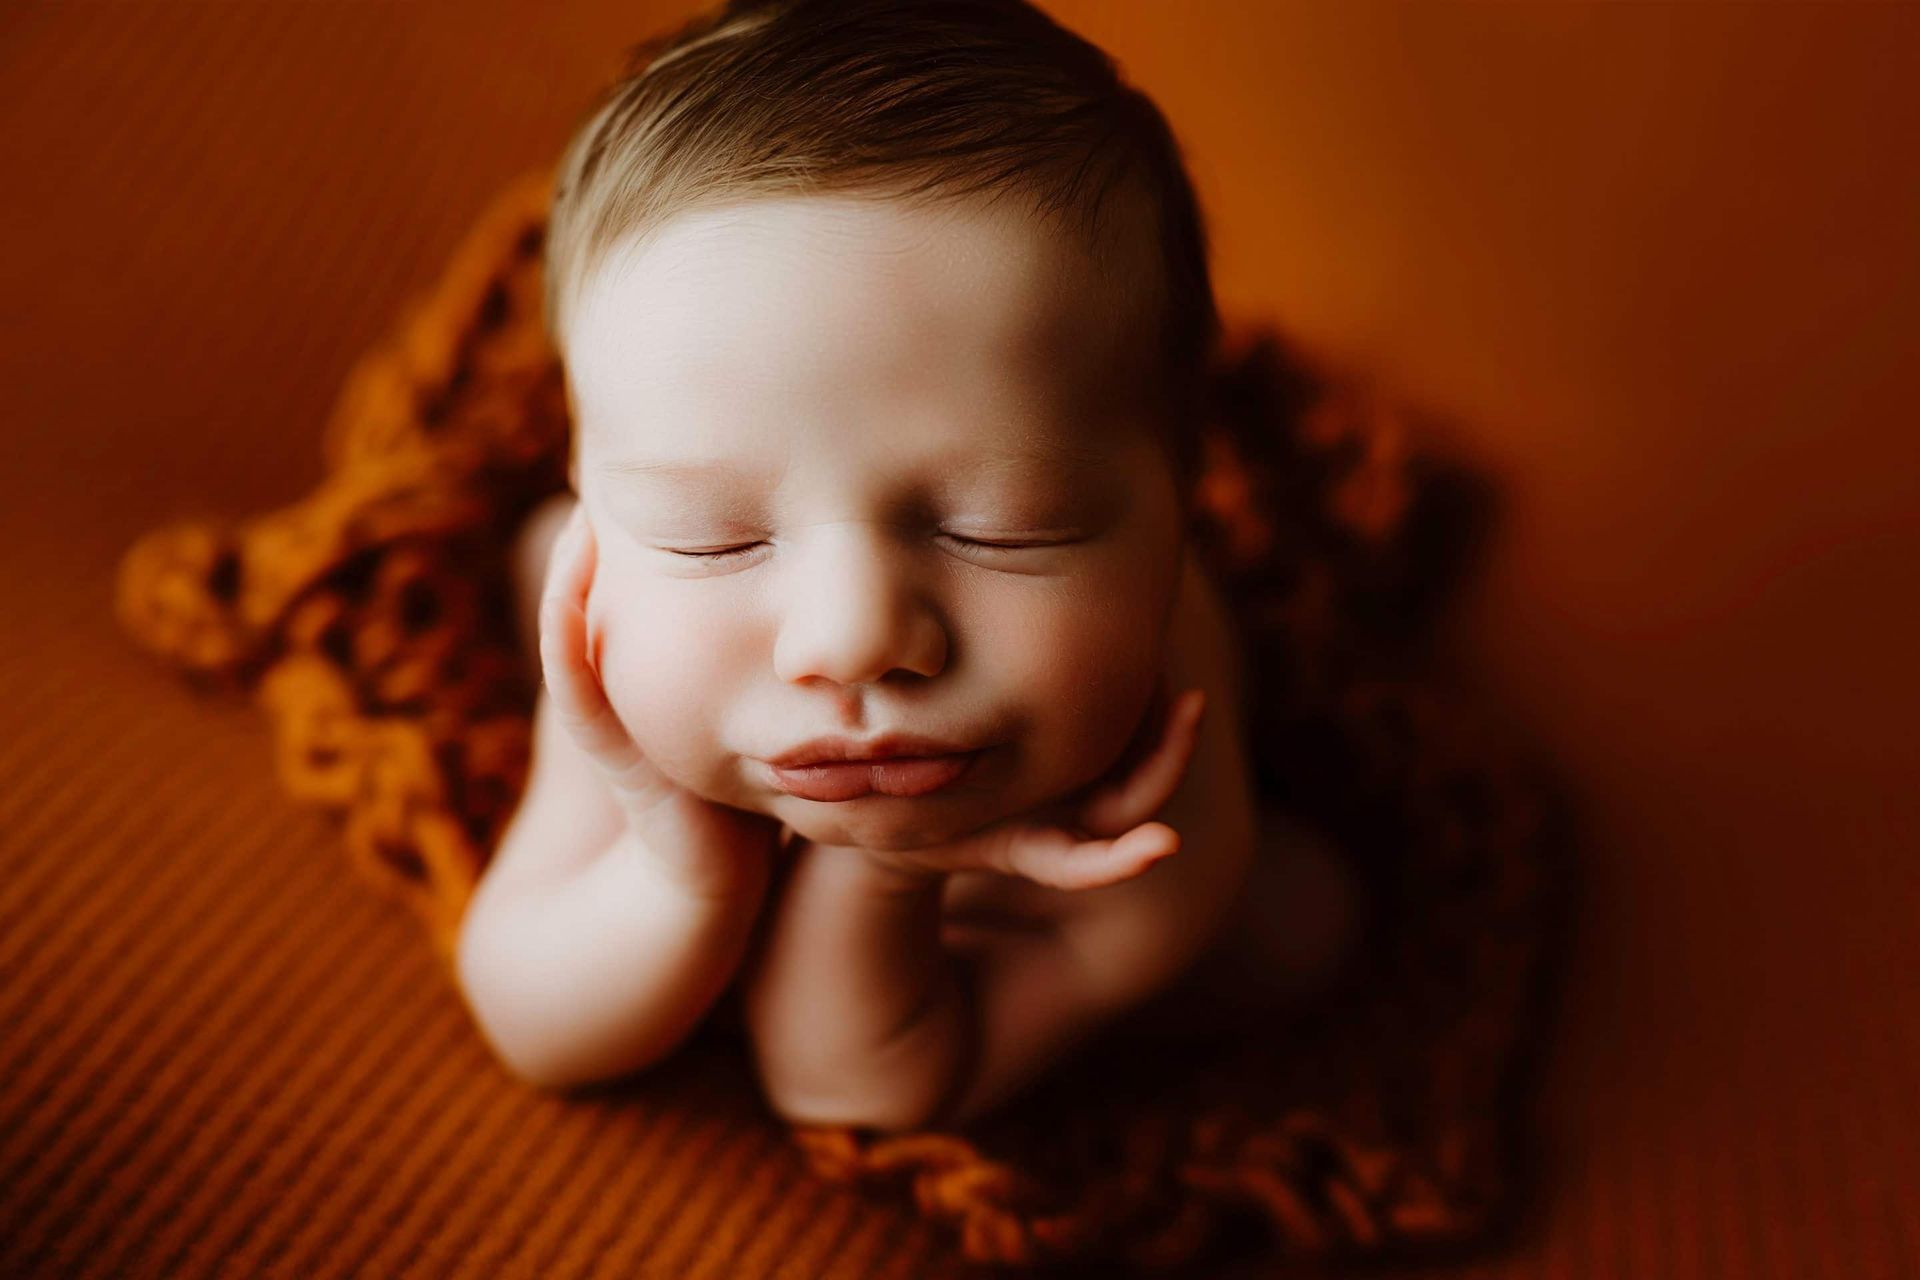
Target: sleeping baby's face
x: 858, y: 469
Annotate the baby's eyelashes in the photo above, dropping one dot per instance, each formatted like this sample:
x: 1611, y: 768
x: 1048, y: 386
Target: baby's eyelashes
x: 1001, y: 552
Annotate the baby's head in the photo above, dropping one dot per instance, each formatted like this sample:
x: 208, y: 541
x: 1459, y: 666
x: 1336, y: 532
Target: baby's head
x: 884, y: 327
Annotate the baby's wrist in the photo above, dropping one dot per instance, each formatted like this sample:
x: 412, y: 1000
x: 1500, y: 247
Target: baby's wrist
x: 712, y: 884
x: 881, y: 873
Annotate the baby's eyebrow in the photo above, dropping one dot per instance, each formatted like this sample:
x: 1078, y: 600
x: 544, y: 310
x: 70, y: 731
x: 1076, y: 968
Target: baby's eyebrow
x: 1039, y: 459
x: 679, y: 472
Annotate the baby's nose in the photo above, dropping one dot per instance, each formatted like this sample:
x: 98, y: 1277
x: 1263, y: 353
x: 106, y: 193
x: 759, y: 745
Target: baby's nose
x: 855, y: 612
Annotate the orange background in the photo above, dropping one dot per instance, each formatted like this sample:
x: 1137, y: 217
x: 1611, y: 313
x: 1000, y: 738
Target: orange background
x: 1656, y: 266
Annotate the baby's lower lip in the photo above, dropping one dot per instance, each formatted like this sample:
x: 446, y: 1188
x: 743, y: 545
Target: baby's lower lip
x: 852, y: 779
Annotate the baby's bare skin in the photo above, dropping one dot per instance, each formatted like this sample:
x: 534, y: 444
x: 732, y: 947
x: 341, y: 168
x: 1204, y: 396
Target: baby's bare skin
x: 848, y: 466
x: 1292, y: 913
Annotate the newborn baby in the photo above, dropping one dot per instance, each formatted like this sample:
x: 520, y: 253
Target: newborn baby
x: 888, y: 713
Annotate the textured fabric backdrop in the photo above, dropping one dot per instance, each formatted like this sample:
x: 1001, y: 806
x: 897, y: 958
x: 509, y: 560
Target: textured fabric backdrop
x: 220, y: 1055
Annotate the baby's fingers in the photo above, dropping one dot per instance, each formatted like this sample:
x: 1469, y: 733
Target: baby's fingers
x: 579, y: 699
x: 1144, y: 790
x: 1051, y: 856
x: 577, y: 696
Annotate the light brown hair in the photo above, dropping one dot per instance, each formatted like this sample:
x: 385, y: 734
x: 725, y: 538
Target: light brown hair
x: 912, y: 99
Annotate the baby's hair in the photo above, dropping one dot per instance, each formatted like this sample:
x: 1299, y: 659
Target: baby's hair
x: 918, y: 100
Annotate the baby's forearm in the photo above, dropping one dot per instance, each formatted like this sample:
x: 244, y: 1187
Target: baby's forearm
x: 856, y: 1013
x: 601, y: 971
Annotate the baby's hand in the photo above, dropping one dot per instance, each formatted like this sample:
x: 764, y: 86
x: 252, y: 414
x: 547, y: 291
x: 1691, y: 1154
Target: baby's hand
x: 706, y: 848
x: 1101, y: 837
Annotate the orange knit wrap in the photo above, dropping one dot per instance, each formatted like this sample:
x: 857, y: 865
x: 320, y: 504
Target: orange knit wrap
x: 372, y: 621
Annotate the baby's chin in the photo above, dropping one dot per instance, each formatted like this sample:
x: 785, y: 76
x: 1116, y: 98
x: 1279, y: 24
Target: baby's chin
x: 887, y: 832
x: 890, y: 824
x: 880, y: 822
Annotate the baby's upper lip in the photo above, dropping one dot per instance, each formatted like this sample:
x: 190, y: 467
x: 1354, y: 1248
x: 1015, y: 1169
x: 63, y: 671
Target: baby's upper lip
x: 886, y: 747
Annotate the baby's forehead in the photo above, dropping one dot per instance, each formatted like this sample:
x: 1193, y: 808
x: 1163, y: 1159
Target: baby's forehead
x: 799, y: 288
x: 932, y: 459
x: 990, y: 241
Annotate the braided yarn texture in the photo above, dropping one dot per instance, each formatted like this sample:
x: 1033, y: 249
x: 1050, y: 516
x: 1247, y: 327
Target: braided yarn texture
x: 372, y: 623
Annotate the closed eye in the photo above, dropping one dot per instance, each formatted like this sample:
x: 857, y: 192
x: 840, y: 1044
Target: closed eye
x: 730, y: 553
x: 1001, y: 546
x: 726, y: 553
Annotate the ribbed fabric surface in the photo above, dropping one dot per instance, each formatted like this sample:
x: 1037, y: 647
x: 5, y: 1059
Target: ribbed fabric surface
x: 221, y: 1055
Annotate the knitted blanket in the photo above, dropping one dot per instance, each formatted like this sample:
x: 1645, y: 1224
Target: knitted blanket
x: 372, y: 623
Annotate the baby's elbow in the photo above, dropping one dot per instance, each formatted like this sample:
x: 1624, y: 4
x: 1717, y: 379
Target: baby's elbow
x: 519, y: 1024
x: 902, y: 1086
x: 532, y: 1070
x: 897, y: 1111
x: 532, y: 1056
x: 526, y: 1057
x: 538, y: 1058
x: 893, y: 1093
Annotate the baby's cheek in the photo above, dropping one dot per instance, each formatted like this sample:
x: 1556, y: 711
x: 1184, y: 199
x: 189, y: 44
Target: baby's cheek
x: 651, y: 672
x: 1086, y: 674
